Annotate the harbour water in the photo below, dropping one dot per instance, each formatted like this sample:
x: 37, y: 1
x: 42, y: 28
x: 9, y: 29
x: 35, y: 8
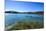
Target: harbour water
x: 13, y: 18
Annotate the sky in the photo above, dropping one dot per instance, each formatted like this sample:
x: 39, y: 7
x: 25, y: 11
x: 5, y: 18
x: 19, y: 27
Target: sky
x: 21, y: 6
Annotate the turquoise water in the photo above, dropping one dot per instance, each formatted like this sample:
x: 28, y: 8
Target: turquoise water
x: 13, y: 18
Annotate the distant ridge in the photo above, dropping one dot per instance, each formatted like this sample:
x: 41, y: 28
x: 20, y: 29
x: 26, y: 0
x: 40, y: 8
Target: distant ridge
x: 39, y: 12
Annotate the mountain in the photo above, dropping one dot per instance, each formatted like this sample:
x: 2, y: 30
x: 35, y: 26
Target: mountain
x: 39, y: 12
x: 11, y: 12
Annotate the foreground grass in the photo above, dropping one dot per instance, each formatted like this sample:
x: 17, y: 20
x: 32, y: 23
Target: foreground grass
x: 27, y: 25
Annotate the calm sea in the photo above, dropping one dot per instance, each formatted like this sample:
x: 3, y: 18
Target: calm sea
x: 13, y: 18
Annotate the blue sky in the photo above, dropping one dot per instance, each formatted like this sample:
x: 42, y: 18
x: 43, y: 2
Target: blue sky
x: 21, y: 6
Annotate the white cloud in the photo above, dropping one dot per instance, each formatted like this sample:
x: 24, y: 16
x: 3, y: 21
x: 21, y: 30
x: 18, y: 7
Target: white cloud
x: 6, y: 10
x: 9, y: 9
